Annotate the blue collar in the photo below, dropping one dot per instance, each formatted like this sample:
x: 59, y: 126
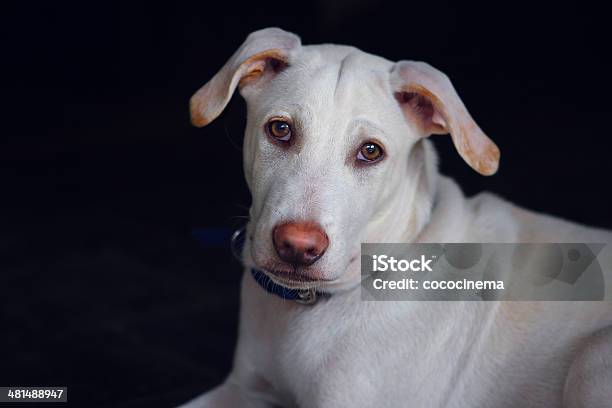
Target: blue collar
x: 302, y: 296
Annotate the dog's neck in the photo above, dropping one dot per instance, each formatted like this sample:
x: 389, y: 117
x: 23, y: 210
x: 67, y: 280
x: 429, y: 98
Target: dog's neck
x: 450, y: 214
x: 443, y: 217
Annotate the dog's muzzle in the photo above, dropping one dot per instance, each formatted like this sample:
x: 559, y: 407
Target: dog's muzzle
x: 301, y: 296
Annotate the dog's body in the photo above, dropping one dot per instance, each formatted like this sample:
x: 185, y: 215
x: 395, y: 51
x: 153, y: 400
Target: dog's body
x: 344, y: 352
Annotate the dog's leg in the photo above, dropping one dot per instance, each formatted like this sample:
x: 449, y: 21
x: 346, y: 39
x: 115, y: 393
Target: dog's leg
x: 229, y: 395
x: 589, y: 381
x: 225, y: 395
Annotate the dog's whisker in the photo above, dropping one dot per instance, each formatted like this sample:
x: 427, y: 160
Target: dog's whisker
x: 240, y: 217
x: 229, y: 138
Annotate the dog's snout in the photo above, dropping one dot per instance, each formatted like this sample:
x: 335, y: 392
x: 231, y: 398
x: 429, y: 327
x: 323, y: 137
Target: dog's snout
x: 300, y: 243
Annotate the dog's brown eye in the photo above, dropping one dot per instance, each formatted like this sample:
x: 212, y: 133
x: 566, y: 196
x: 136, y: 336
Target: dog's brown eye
x: 370, y: 152
x: 280, y: 130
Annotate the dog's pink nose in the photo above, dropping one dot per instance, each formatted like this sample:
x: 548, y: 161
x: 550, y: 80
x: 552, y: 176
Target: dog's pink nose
x: 300, y: 243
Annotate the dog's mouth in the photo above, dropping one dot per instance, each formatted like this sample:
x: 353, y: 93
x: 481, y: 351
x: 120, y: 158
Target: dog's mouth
x: 292, y: 278
x: 295, y: 277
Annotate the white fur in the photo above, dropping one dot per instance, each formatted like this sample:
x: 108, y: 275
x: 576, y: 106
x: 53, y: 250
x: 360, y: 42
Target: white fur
x: 343, y: 352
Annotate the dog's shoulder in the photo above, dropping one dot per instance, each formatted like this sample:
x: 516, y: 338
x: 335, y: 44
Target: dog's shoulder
x: 539, y: 227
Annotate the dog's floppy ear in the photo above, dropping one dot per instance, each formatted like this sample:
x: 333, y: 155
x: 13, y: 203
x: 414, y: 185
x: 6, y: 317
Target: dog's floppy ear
x: 263, y: 53
x: 428, y: 99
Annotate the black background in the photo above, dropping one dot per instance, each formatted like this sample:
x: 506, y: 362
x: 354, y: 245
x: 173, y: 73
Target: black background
x: 103, y: 287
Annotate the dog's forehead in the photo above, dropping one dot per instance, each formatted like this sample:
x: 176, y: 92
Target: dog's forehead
x: 342, y: 55
x: 334, y: 74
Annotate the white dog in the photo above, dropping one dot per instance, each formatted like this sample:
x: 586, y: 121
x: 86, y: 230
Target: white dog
x: 336, y: 154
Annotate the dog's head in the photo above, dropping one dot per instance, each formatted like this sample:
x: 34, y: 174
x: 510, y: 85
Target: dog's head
x: 334, y: 151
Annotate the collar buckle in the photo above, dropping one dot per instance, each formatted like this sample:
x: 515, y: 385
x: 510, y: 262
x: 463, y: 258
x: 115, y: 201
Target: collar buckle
x: 306, y: 296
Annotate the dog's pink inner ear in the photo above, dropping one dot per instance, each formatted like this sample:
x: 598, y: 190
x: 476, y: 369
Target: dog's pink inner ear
x: 421, y: 110
x: 262, y: 67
